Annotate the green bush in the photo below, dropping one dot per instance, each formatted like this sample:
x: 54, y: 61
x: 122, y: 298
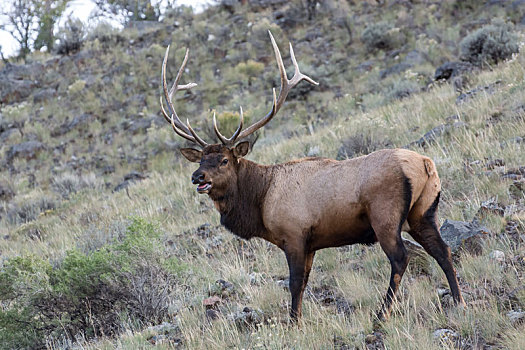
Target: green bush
x: 380, y: 36
x: 86, y: 294
x: 250, y: 69
x: 489, y: 44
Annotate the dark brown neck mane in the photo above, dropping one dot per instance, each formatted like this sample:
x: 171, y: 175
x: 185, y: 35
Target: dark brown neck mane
x: 241, y: 206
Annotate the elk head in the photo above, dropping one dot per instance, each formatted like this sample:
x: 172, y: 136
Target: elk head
x: 219, y: 162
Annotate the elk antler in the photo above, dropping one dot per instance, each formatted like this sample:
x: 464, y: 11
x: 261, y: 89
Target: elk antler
x: 286, y: 86
x: 182, y: 130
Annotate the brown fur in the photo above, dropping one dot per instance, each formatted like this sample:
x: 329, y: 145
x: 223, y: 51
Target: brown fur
x: 314, y: 203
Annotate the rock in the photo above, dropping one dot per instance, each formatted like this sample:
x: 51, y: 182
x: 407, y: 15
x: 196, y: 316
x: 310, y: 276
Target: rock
x: 134, y: 176
x: 138, y: 124
x: 497, y: 255
x: 327, y: 297
x: 452, y: 69
x: 247, y: 318
x: 366, y: 66
x: 313, y: 151
x: 517, y: 295
x: 370, y: 338
x: 67, y: 126
x: 464, y: 235
x: 415, y: 57
x: 419, y: 258
x: 256, y: 278
x: 516, y: 317
x: 445, y: 335
x: 165, y: 333
x: 44, y: 95
x: 212, y: 302
x: 431, y: 136
x: 491, y: 207
x: 212, y: 314
x: 225, y: 288
x: 517, y: 189
x: 27, y: 150
x: 6, y: 192
x: 488, y: 89
x: 514, y: 174
x: 285, y: 283
x: 491, y: 164
x: 395, y: 69
x: 441, y: 292
x: 19, y: 81
x: 130, y: 178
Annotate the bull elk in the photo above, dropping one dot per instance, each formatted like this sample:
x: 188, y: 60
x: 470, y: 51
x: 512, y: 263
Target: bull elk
x: 314, y: 203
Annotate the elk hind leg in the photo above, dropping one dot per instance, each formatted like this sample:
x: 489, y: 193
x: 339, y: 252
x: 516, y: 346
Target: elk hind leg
x: 424, y: 230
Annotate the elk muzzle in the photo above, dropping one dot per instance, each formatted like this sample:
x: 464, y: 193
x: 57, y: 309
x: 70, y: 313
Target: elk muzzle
x: 199, y: 178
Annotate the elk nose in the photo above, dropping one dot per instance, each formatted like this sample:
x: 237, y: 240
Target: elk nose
x: 197, y: 178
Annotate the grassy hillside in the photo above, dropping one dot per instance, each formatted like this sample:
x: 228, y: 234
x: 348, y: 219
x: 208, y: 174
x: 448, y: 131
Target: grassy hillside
x: 85, y: 264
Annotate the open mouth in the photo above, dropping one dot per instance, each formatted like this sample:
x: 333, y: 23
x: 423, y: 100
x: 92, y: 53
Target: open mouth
x: 204, y: 188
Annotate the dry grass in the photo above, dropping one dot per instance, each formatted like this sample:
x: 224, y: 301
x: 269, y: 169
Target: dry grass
x: 357, y: 275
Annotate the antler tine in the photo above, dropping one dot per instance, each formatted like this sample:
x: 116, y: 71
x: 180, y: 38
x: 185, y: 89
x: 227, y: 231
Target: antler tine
x: 197, y: 138
x: 298, y: 76
x: 231, y: 140
x: 179, y: 127
x: 286, y: 86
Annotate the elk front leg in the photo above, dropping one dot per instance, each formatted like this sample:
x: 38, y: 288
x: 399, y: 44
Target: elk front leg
x: 299, y: 264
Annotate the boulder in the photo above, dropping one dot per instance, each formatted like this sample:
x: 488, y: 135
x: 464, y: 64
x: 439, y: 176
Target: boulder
x: 460, y: 235
x: 19, y: 81
x: 27, y: 150
x: 452, y: 69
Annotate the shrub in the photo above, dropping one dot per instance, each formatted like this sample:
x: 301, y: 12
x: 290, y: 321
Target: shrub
x: 401, y: 89
x: 489, y: 44
x: 250, y: 69
x: 67, y: 183
x: 86, y: 294
x: 71, y: 37
x: 380, y: 36
x: 29, y: 209
x: 360, y: 144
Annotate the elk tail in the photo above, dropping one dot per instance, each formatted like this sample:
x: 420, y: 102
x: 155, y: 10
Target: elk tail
x: 430, y: 167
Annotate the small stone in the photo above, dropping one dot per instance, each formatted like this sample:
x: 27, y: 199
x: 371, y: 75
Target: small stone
x: 516, y: 317
x: 370, y: 338
x: 492, y: 207
x: 212, y: 314
x: 212, y: 302
x: 313, y: 151
x: 445, y: 335
x: 255, y: 278
x: 247, y: 317
x: 491, y: 164
x: 442, y: 292
x: 497, y: 255
x: 283, y: 283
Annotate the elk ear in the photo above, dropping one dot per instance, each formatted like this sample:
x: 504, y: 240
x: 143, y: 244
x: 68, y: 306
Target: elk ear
x: 191, y: 154
x: 241, y: 149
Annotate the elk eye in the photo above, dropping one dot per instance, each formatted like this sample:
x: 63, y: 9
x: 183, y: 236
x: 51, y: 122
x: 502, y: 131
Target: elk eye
x: 224, y: 161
